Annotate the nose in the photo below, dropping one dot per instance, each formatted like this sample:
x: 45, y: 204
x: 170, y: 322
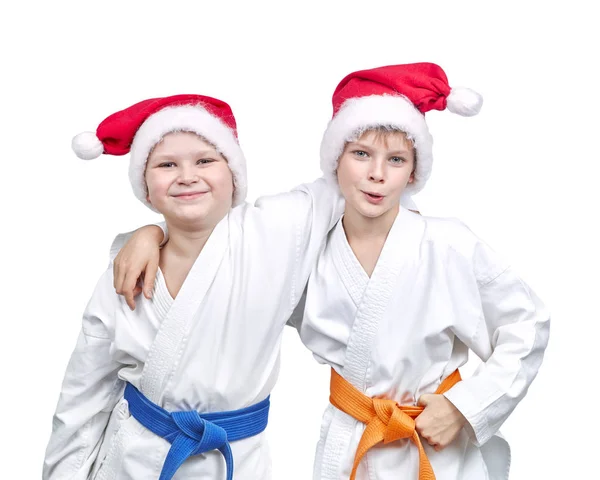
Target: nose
x: 376, y: 170
x: 187, y: 175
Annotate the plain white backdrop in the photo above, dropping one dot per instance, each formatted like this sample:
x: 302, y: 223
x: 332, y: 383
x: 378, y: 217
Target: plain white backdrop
x: 523, y: 175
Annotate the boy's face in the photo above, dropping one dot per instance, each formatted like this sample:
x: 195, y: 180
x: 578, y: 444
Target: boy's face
x: 374, y: 170
x: 188, y: 181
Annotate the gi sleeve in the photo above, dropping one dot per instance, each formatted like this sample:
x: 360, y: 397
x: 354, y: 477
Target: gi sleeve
x: 90, y: 391
x: 510, y: 338
x: 309, y: 211
x: 298, y: 221
x: 297, y: 315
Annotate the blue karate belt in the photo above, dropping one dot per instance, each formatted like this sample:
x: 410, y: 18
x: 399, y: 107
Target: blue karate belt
x: 191, y: 433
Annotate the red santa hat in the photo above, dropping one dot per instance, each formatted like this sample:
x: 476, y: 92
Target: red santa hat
x: 138, y: 128
x: 395, y: 96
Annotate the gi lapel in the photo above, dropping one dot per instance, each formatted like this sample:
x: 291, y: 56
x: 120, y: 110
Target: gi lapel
x: 168, y: 344
x: 400, y: 251
x: 353, y: 276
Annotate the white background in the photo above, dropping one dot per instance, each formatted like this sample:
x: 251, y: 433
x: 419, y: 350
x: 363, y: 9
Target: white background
x: 523, y: 175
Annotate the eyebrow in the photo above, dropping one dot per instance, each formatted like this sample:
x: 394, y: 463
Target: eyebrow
x: 358, y: 144
x: 399, y: 152
x: 198, y: 153
x: 366, y: 147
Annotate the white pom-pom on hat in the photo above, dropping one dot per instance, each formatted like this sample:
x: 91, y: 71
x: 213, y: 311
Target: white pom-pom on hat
x: 87, y: 146
x: 464, y: 101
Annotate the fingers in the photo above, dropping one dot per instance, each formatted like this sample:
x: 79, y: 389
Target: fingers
x: 422, y: 427
x: 130, y: 301
x: 118, y: 274
x: 440, y: 422
x: 424, y: 423
x: 437, y: 446
x: 115, y: 275
x: 434, y: 440
x: 128, y: 288
x: 150, y: 277
x: 127, y: 273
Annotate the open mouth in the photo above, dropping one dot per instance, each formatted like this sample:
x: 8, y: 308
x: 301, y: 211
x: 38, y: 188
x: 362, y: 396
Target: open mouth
x: 373, y: 198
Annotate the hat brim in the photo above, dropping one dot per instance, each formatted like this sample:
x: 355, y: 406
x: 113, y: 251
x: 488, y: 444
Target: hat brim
x: 186, y: 118
x: 359, y: 114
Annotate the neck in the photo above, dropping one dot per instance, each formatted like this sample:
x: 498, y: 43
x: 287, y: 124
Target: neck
x: 187, y: 241
x: 357, y: 226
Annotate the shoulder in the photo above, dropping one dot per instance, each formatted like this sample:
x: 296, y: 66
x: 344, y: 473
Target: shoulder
x: 287, y: 211
x: 98, y: 318
x: 104, y: 292
x: 449, y: 231
x: 461, y: 243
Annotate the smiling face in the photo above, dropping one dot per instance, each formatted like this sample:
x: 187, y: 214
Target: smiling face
x: 188, y: 181
x: 374, y: 170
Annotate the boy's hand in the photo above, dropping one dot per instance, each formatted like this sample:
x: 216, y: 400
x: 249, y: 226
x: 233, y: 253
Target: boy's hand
x: 137, y: 261
x: 440, y: 422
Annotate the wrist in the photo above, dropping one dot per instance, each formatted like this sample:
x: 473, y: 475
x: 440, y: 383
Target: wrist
x: 151, y: 233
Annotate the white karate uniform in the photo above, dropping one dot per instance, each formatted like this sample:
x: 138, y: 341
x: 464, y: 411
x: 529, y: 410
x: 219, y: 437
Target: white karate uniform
x: 437, y: 292
x: 214, y: 348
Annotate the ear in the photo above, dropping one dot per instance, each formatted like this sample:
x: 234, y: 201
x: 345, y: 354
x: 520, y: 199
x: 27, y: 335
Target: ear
x: 411, y: 179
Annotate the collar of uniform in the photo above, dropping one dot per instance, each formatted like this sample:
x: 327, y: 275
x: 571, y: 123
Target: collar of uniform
x: 161, y: 297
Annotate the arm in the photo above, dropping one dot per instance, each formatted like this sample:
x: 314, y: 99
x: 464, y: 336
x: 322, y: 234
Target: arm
x: 297, y: 315
x: 309, y: 211
x: 136, y: 255
x: 300, y: 219
x: 304, y: 214
x: 90, y: 390
x: 326, y: 207
x: 510, y: 339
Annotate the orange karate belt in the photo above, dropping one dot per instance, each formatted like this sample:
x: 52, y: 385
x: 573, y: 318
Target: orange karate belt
x: 386, y: 420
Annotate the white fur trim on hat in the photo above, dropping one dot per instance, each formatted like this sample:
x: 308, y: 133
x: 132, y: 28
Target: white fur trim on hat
x: 464, y: 101
x: 359, y: 114
x: 186, y: 118
x: 87, y: 146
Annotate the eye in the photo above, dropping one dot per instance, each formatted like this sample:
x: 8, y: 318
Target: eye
x: 397, y: 160
x: 360, y: 153
x: 205, y: 161
x: 166, y: 165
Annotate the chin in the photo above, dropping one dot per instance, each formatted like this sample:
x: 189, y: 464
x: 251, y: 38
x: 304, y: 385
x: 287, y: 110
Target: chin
x: 192, y: 220
x: 190, y: 213
x: 370, y: 211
